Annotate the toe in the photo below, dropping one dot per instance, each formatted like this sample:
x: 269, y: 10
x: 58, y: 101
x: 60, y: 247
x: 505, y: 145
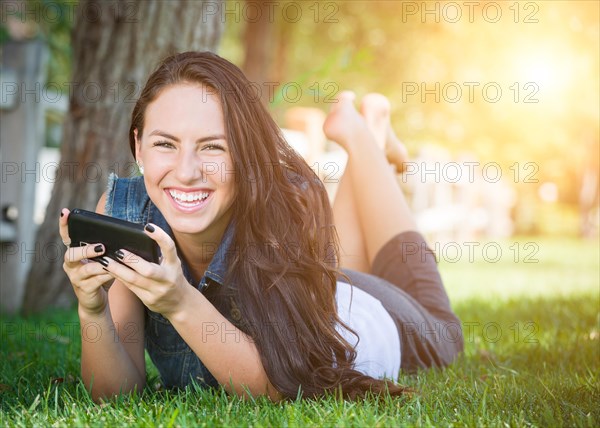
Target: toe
x: 375, y: 104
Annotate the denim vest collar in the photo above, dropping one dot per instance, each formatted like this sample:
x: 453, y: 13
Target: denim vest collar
x: 217, y: 268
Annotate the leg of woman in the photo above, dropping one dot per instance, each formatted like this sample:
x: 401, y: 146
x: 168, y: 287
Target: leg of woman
x: 407, y: 281
x: 353, y: 253
x: 375, y: 110
x: 382, y: 211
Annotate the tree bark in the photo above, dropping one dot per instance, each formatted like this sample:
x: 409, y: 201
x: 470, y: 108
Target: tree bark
x: 116, y: 45
x: 258, y: 46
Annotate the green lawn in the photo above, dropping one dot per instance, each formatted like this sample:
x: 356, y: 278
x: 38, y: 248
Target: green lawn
x: 532, y: 357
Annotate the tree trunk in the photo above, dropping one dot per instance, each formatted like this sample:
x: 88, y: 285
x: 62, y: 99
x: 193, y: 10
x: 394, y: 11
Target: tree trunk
x: 116, y: 45
x: 258, y: 44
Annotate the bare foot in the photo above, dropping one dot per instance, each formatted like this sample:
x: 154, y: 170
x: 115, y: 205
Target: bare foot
x: 375, y: 108
x: 344, y: 122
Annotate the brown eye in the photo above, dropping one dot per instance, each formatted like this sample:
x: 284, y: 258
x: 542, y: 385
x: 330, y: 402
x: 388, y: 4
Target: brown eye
x: 166, y: 144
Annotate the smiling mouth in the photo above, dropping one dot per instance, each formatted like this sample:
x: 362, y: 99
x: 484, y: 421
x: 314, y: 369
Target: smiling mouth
x: 188, y: 199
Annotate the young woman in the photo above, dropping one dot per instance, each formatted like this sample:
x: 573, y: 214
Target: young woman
x: 251, y: 292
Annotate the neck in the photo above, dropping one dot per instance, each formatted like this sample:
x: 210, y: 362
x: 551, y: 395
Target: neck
x: 199, y: 249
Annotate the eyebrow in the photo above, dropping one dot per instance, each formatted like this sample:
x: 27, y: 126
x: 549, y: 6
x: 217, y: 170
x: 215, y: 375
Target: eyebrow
x: 200, y: 140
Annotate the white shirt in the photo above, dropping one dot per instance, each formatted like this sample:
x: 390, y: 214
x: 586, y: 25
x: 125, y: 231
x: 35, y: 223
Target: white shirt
x: 378, y: 350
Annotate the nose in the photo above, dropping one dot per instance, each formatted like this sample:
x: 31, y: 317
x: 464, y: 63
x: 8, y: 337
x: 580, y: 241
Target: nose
x: 188, y: 168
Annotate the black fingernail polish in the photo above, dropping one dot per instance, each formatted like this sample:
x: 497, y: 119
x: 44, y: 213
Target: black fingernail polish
x: 150, y: 228
x: 119, y: 254
x: 98, y: 248
x: 103, y: 261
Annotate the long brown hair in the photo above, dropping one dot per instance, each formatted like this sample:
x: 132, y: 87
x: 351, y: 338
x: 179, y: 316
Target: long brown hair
x: 286, y: 283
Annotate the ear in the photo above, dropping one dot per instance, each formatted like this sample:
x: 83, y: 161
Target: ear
x: 137, y: 144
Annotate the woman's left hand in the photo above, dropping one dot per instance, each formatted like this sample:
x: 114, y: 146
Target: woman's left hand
x: 160, y: 287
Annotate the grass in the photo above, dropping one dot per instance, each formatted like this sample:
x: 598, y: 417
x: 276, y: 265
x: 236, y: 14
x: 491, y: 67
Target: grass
x: 532, y: 358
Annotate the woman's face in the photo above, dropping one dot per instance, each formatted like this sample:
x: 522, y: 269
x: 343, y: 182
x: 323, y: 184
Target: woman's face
x: 188, y: 169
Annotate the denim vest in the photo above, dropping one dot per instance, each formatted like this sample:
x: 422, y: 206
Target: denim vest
x: 177, y: 364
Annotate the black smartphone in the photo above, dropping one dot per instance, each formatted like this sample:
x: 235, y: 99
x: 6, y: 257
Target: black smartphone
x: 87, y: 227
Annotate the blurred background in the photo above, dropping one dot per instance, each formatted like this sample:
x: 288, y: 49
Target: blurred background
x: 497, y: 102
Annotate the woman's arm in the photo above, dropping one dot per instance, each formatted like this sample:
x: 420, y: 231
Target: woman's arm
x: 226, y: 351
x: 229, y: 354
x: 112, y: 345
x: 112, y: 342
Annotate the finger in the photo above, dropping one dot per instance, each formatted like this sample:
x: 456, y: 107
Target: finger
x: 63, y: 227
x: 132, y: 269
x: 129, y: 277
x: 87, y: 291
x: 97, y: 268
x: 90, y: 288
x: 90, y: 275
x: 78, y: 254
x: 164, y: 241
x: 94, y: 275
x: 346, y: 97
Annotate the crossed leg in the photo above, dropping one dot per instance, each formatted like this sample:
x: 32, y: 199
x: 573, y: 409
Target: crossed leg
x: 369, y: 208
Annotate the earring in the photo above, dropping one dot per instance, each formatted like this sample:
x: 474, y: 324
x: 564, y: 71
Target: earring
x: 140, y: 167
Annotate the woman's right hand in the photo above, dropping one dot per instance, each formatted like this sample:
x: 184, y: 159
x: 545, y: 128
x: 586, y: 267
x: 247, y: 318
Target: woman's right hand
x: 87, y: 277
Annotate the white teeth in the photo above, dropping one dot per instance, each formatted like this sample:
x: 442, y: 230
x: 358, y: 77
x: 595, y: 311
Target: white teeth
x: 188, y: 197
